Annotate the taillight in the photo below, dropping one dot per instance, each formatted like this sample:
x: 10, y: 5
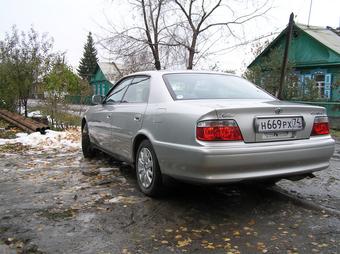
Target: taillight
x: 320, y: 126
x: 218, y: 130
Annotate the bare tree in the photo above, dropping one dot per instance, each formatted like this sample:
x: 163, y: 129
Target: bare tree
x: 200, y: 16
x: 133, y: 42
x: 138, y: 62
x: 174, y: 33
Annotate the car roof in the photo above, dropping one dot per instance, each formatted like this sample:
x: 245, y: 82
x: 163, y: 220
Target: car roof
x: 161, y: 72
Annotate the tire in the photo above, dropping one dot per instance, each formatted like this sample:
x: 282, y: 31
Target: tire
x: 149, y: 176
x: 88, y: 150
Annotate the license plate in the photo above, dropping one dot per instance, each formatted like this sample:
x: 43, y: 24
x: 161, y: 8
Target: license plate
x: 277, y: 135
x: 279, y: 124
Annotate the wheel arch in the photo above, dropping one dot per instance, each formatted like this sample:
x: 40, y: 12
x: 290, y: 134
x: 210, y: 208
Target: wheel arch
x: 137, y: 141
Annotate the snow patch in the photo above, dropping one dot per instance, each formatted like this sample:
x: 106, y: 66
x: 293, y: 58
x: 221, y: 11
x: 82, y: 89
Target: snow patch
x: 36, y: 113
x: 61, y: 140
x: 125, y: 200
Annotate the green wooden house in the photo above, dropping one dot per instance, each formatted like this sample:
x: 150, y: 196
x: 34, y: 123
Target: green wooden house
x: 314, y: 54
x: 105, y: 76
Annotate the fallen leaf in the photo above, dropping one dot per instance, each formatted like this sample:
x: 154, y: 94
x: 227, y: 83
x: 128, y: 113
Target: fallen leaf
x: 236, y: 233
x: 184, y: 243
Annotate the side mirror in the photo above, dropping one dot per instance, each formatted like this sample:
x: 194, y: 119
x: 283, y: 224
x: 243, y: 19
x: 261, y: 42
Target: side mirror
x: 97, y: 99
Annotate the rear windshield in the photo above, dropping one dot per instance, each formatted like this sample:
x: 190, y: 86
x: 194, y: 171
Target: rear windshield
x: 192, y: 86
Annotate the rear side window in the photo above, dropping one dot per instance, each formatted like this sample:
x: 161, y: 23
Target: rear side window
x: 138, y: 91
x: 191, y: 86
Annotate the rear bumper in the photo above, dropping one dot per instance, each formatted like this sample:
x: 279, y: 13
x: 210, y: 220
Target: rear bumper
x: 237, y: 161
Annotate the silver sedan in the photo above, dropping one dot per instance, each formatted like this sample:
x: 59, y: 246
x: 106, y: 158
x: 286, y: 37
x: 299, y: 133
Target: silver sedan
x: 205, y: 127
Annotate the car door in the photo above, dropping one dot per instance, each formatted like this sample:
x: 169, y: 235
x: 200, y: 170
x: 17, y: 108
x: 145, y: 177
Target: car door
x: 102, y: 122
x: 128, y: 115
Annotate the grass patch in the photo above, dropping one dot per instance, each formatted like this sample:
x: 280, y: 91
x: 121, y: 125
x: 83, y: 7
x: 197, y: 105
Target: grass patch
x: 3, y: 229
x: 3, y: 124
x: 61, y: 120
x: 335, y: 133
x: 58, y: 215
x: 16, y: 147
x: 8, y: 134
x: 66, y: 120
x: 7, y: 130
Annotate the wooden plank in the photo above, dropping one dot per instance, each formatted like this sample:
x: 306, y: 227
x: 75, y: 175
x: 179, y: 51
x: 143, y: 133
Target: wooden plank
x: 23, y: 122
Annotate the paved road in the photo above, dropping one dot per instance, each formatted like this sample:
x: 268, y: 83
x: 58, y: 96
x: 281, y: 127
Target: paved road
x: 52, y: 202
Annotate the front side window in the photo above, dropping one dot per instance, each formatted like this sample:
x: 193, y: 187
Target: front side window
x: 118, y: 91
x: 194, y: 86
x: 138, y: 91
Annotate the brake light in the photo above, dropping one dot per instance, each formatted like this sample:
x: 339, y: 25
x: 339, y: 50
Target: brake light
x: 320, y: 126
x: 226, y: 130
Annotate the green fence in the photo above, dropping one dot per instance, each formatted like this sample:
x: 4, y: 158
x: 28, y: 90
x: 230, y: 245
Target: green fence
x: 76, y: 99
x: 333, y: 108
x: 333, y: 111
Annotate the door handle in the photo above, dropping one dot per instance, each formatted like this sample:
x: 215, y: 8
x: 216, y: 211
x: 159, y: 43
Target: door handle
x: 137, y: 117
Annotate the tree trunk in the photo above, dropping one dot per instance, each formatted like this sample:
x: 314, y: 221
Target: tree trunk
x: 192, y: 51
x: 155, y: 53
x: 25, y: 107
x: 191, y: 59
x: 19, y: 107
x: 157, y: 60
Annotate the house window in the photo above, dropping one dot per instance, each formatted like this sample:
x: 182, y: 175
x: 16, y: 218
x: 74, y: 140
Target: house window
x: 321, y: 86
x: 320, y: 83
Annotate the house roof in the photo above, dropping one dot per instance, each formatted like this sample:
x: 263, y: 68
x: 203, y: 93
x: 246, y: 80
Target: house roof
x: 110, y: 70
x: 326, y: 35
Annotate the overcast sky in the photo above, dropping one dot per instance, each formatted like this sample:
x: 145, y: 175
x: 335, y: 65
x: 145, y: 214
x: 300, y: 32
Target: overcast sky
x: 69, y: 21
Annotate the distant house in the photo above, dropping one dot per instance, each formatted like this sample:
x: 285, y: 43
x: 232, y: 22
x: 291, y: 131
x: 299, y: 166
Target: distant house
x: 314, y: 54
x: 105, y: 76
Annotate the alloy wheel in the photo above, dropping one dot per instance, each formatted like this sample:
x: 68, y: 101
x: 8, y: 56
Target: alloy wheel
x: 145, y: 167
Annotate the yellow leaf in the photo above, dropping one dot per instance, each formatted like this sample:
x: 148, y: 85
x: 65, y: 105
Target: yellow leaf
x: 236, y: 233
x: 196, y: 231
x: 184, y: 243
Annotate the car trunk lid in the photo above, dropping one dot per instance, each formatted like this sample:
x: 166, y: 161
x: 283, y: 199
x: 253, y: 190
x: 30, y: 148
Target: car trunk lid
x: 249, y: 114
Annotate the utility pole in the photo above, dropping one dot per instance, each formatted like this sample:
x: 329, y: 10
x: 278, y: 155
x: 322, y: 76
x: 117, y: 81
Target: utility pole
x: 310, y: 10
x: 285, y: 56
